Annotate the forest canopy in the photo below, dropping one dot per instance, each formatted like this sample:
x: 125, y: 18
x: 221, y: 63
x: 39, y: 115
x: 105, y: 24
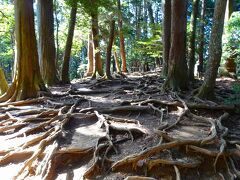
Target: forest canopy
x: 120, y: 89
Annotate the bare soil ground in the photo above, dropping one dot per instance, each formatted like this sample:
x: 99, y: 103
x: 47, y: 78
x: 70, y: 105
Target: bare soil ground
x: 124, y: 128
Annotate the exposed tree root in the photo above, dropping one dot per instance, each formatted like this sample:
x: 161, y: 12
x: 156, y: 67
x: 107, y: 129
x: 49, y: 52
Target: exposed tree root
x: 118, y: 109
x: 24, y: 102
x: 46, y: 128
x: 217, y: 131
x: 138, y: 178
x: 173, y: 105
x: 101, y: 162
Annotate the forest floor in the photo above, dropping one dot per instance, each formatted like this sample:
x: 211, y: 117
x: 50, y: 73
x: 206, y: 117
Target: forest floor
x: 121, y: 129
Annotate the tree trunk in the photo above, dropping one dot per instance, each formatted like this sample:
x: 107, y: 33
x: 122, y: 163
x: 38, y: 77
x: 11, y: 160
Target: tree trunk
x: 97, y: 68
x: 57, y: 34
x: 68, y: 47
x: 151, y: 18
x: 3, y: 84
x: 150, y: 12
x: 117, y: 62
x: 193, y: 27
x: 47, y: 51
x: 166, y: 34
x: 215, y: 51
x: 90, y: 55
x: 201, y: 38
x: 27, y: 81
x: 122, y: 45
x: 145, y: 19
x: 109, y: 49
x: 229, y: 9
x: 138, y: 19
x: 177, y: 73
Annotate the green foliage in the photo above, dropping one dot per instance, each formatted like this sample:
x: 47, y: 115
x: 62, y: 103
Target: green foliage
x: 231, y: 40
x: 7, y: 38
x: 147, y: 48
x: 235, y: 97
x: 151, y: 47
x: 92, y: 6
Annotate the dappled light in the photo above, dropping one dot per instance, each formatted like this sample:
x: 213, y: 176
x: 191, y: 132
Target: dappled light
x: 119, y: 89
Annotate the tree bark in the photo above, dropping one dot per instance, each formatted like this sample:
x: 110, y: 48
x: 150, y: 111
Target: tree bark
x: 47, y: 50
x: 68, y: 47
x: 166, y: 34
x: 57, y: 34
x: 109, y: 49
x: 151, y: 17
x: 215, y: 51
x: 90, y: 55
x: 97, y: 68
x: 117, y: 62
x: 150, y: 12
x: 138, y: 19
x: 3, y: 84
x: 177, y: 78
x: 121, y: 36
x: 193, y: 27
x: 27, y: 81
x: 229, y: 9
x: 201, y: 37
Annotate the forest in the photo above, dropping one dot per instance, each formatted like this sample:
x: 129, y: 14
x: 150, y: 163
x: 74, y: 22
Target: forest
x: 120, y: 89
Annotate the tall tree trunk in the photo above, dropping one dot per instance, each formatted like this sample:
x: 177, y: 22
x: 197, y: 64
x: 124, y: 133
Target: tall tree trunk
x: 166, y: 34
x: 68, y: 47
x: 145, y: 27
x: 117, y: 62
x: 177, y: 78
x: 122, y: 45
x: 193, y: 27
x: 201, y: 37
x: 97, y: 68
x: 215, y: 51
x: 151, y: 18
x: 229, y: 9
x: 27, y: 81
x: 90, y: 55
x: 109, y: 49
x: 138, y: 19
x: 3, y: 84
x: 47, y: 51
x: 57, y: 33
x: 150, y: 12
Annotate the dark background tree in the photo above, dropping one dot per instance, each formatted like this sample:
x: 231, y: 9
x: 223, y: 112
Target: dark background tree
x: 192, y: 47
x: 109, y: 49
x: 68, y: 47
x: 166, y: 34
x: 177, y: 78
x: 47, y: 50
x: 215, y: 51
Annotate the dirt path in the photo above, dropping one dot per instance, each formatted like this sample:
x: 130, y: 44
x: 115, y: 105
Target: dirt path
x: 120, y: 129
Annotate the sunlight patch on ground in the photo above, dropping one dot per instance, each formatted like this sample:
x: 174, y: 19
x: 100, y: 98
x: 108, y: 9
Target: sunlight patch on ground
x: 178, y: 112
x: 100, y: 99
x: 62, y: 176
x: 9, y: 171
x: 181, y: 134
x: 225, y: 79
x: 16, y: 142
x: 77, y: 174
x: 92, y: 130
